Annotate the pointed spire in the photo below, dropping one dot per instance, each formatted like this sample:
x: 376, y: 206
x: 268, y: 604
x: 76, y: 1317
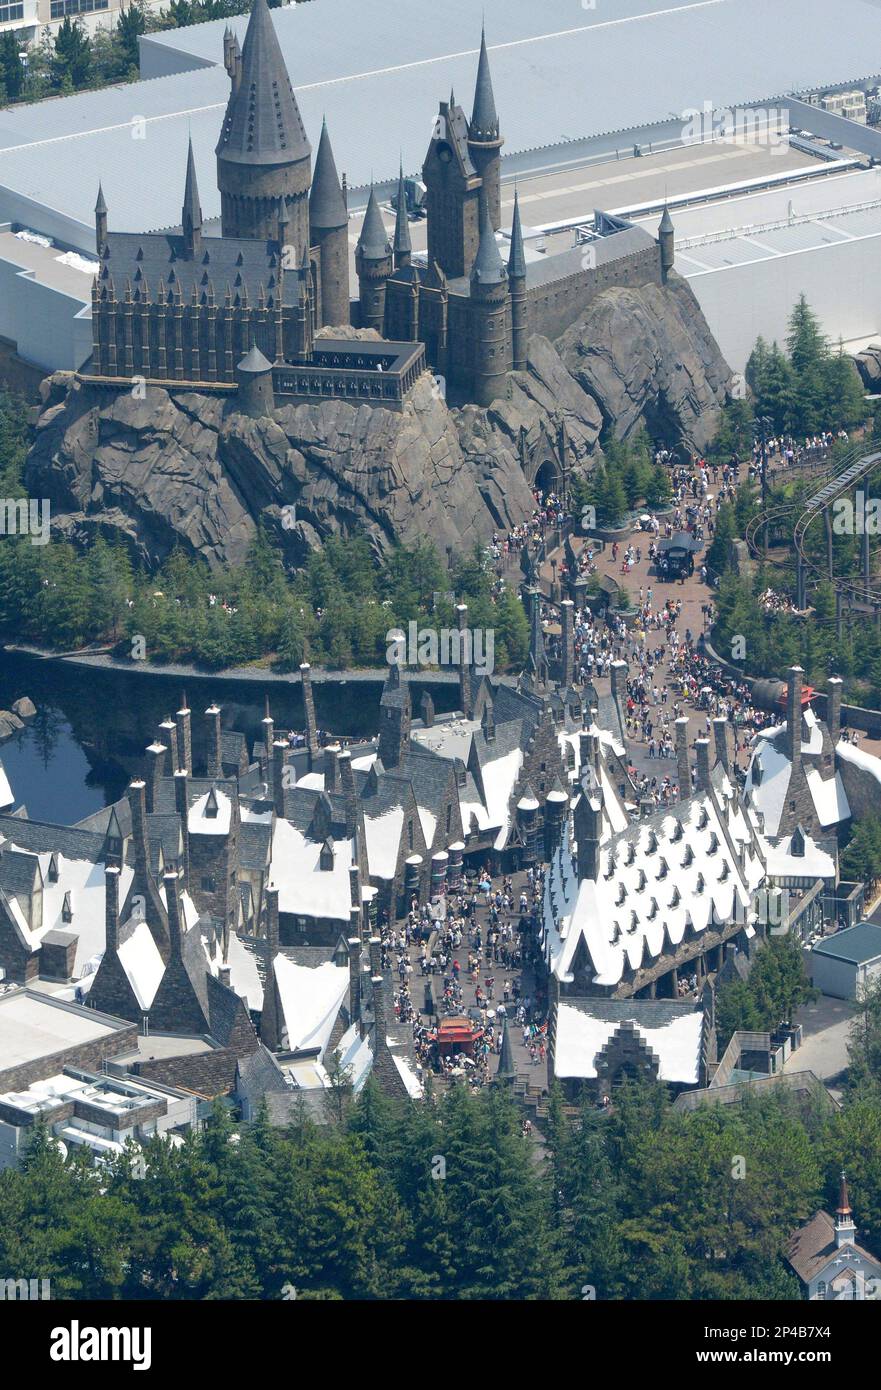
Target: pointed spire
x: 484, y: 121
x: 506, y: 1070
x: 666, y: 223
x: 327, y: 209
x: 373, y: 243
x: 263, y: 123
x: 191, y: 215
x: 516, y: 258
x: 100, y: 205
x: 844, y: 1208
x: 402, y: 245
x: 488, y: 268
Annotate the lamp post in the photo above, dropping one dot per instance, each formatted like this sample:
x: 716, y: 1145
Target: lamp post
x: 762, y: 424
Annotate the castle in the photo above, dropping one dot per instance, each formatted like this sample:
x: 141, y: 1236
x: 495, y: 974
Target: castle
x: 240, y: 313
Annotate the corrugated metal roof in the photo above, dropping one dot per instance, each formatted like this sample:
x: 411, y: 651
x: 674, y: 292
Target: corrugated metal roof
x: 560, y: 73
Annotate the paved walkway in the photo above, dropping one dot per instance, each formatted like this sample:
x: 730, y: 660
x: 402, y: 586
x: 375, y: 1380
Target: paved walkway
x: 535, y: 1074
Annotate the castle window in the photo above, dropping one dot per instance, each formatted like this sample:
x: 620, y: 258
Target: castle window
x: 207, y: 884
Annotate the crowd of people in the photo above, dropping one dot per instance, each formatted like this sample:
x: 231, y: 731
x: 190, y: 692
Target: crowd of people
x: 466, y: 958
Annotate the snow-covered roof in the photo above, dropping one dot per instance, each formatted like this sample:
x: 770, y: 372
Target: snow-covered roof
x: 654, y: 883
x: 829, y: 797
x: 304, y: 888
x: 429, y: 824
x: 310, y: 999
x: 243, y: 975
x: 782, y: 863
x: 84, y: 881
x: 860, y: 758
x: 6, y: 796
x: 499, y: 778
x: 408, y: 1075
x: 769, y: 794
x: 142, y: 963
x: 383, y: 841
x: 210, y: 814
x: 580, y: 1037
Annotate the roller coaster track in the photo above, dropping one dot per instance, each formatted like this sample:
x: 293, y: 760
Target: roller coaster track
x: 837, y: 479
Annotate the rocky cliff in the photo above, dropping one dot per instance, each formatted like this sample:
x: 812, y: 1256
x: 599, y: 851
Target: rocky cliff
x: 186, y: 468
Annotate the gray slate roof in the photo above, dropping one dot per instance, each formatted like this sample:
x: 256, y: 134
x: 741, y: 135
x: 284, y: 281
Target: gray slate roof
x: 263, y: 123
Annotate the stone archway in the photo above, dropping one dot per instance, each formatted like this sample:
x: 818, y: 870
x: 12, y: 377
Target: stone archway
x: 547, y: 477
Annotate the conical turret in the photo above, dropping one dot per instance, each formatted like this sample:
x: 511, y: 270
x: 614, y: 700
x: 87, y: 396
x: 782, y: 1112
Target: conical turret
x: 263, y: 152
x: 326, y: 206
x: 488, y: 268
x: 484, y: 140
x: 373, y: 261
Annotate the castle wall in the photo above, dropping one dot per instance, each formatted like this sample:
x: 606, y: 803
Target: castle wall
x: 554, y: 307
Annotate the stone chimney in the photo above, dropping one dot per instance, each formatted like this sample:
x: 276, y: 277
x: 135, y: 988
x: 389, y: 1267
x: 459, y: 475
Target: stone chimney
x: 267, y: 725
x: 466, y: 698
x: 156, y: 755
x: 184, y: 736
x: 426, y: 709
x: 137, y: 801
x: 683, y: 770
x: 618, y: 673
x: 279, y: 763
x: 215, y: 746
x: 111, y: 909
x: 347, y: 782
x: 355, y: 976
x: 331, y: 768
x: 309, y: 707
x: 835, y: 687
x: 271, y: 921
x: 702, y: 749
x: 167, y: 735
x: 175, y: 922
x: 567, y: 625
x: 588, y: 828
x: 720, y: 740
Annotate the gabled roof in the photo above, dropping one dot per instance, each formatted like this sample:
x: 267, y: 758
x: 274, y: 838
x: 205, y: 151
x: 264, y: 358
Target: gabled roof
x: 262, y: 124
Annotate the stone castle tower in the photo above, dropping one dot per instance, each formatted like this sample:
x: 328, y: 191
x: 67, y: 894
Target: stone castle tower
x: 263, y: 154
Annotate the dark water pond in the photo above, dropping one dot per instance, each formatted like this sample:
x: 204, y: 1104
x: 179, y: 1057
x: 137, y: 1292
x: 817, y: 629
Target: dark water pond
x: 91, y: 728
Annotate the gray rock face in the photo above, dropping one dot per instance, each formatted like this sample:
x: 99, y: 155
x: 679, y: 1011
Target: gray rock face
x: 186, y: 468
x: 24, y: 708
x: 648, y: 357
x: 9, y: 724
x: 868, y: 364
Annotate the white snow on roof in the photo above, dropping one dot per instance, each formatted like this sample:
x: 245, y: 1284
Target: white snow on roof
x: 85, y: 883
x: 860, y: 758
x: 408, y: 1075
x: 429, y: 824
x: 814, y: 742
x: 499, y: 778
x: 6, y: 796
x: 782, y: 863
x: 312, y: 781
x: 310, y: 1001
x: 200, y: 823
x: 636, y: 909
x: 364, y: 764
x: 580, y: 1037
x: 383, y: 842
x: 829, y: 797
x: 769, y: 795
x: 142, y: 963
x: 304, y: 889
x: 253, y: 817
x: 243, y: 974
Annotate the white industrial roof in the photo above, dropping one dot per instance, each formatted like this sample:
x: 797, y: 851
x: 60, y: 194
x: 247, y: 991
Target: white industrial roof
x: 560, y: 73
x: 31, y: 1027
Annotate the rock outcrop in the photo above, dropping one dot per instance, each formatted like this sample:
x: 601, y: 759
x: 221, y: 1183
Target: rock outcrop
x: 647, y: 356
x: 167, y: 468
x: 868, y: 364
